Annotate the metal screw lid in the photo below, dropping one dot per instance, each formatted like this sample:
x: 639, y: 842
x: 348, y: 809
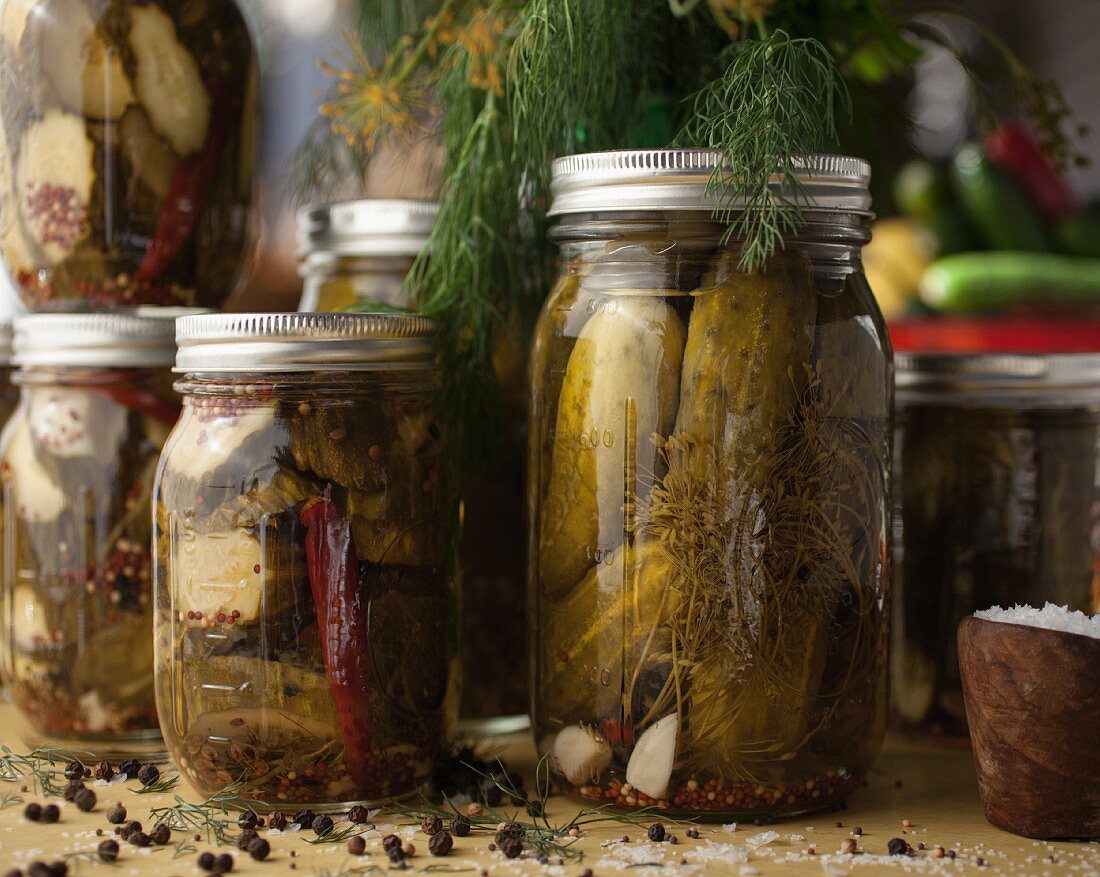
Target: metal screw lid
x: 227, y: 343
x: 141, y: 338
x: 1041, y: 378
x: 369, y: 227
x: 679, y: 179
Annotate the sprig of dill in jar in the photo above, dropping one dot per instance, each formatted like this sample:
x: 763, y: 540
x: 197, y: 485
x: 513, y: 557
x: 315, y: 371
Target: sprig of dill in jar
x: 502, y: 87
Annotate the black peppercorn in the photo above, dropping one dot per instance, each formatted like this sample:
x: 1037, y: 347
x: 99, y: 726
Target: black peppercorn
x: 72, y: 788
x: 431, y: 825
x: 50, y: 813
x: 60, y: 868
x: 511, y: 847
x: 248, y: 819
x: 356, y: 845
x: 897, y: 847
x: 509, y: 829
x: 304, y: 818
x: 278, y: 820
x: 259, y: 849
x: 32, y: 811
x: 108, y: 850
x: 223, y: 864
x: 148, y: 774
x: 245, y: 838
x: 14, y: 872
x: 206, y: 861
x: 130, y: 767
x: 129, y: 828
x: 117, y: 814
x: 358, y: 815
x: 391, y: 842
x: 38, y: 869
x: 534, y: 809
x: 85, y: 800
x: 440, y: 844
x: 160, y: 835
x: 460, y: 826
x: 656, y: 832
x: 322, y: 825
x: 74, y: 770
x: 138, y: 839
x: 693, y: 832
x: 397, y: 856
x: 103, y: 771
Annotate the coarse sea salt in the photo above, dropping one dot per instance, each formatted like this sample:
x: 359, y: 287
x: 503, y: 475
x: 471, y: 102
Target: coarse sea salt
x: 1050, y: 617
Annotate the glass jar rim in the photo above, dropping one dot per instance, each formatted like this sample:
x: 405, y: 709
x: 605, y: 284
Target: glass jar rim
x: 1047, y: 379
x: 139, y: 338
x: 366, y: 227
x: 682, y: 179
x: 304, y: 342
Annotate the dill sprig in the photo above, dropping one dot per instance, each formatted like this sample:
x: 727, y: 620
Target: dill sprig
x: 338, y: 835
x: 778, y: 100
x: 212, y: 816
x: 166, y: 783
x: 43, y: 767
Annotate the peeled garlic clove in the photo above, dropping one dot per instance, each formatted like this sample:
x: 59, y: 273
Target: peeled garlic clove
x: 581, y: 754
x: 650, y: 765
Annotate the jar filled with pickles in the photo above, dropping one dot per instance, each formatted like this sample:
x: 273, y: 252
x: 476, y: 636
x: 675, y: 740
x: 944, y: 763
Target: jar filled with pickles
x: 709, y: 487
x: 77, y: 462
x: 9, y: 395
x: 356, y: 254
x: 356, y: 257
x: 127, y: 150
x: 998, y: 504
x: 305, y: 605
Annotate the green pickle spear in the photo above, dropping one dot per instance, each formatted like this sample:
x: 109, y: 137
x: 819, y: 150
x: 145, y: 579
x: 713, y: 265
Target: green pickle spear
x: 621, y: 387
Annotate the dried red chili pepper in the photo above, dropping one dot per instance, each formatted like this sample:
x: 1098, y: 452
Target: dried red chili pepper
x: 343, y: 625
x: 187, y: 194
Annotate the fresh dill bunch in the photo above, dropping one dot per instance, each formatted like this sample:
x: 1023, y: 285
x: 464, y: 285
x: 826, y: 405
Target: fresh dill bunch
x: 778, y: 100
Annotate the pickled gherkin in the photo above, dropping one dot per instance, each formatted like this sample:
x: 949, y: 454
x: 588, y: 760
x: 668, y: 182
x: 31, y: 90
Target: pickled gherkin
x: 621, y: 387
x: 716, y: 646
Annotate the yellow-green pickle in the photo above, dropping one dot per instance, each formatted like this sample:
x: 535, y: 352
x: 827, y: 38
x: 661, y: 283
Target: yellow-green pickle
x: 710, y: 475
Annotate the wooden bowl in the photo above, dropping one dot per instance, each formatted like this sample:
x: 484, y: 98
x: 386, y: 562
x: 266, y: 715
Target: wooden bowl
x: 1033, y: 704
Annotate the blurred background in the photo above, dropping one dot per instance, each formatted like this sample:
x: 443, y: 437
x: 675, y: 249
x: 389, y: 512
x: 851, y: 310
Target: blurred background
x: 1060, y: 39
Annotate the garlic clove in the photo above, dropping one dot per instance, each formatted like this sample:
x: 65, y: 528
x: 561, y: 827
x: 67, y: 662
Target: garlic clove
x: 650, y: 767
x: 581, y: 754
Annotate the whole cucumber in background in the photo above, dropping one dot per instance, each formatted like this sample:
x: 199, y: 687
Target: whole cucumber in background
x: 1078, y: 235
x: 990, y: 282
x: 999, y: 210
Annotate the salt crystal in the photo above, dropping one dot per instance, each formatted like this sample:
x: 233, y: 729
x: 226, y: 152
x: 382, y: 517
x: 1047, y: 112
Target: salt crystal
x: 796, y: 838
x: 1050, y: 617
x: 748, y: 871
x: 717, y: 852
x: 762, y: 839
x: 730, y: 826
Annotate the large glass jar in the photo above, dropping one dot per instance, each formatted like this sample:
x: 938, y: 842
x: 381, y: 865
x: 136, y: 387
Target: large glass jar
x: 356, y: 257
x: 78, y: 458
x: 710, y: 471
x: 127, y: 145
x: 304, y: 595
x: 9, y: 395
x: 998, y: 503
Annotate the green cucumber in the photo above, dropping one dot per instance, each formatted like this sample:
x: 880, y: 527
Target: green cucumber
x: 999, y: 209
x: 985, y: 282
x: 947, y: 231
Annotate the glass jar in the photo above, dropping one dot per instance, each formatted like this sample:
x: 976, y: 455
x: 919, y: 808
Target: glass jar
x: 78, y: 458
x: 998, y: 503
x: 356, y: 254
x: 126, y: 152
x: 304, y: 595
x: 9, y: 395
x: 710, y: 472
x: 356, y: 257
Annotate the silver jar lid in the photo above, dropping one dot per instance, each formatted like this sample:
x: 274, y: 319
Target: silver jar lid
x: 679, y: 179
x: 366, y: 228
x: 142, y: 338
x: 304, y: 342
x: 1042, y: 379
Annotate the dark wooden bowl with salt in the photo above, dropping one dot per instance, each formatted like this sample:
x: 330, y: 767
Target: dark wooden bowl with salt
x: 1033, y: 704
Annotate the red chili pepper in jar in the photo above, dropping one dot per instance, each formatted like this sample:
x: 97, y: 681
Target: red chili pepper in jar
x: 187, y: 194
x: 342, y: 621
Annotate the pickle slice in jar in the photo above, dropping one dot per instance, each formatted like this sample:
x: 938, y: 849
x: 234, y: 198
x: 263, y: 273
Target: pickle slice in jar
x: 621, y: 386
x: 115, y: 663
x: 54, y: 176
x: 86, y: 72
x: 168, y: 80
x: 228, y: 682
x: 146, y: 153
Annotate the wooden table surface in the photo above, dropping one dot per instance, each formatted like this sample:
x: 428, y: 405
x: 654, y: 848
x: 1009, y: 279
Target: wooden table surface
x: 932, y: 787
